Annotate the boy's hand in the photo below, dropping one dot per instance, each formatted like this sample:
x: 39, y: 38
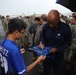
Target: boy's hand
x: 41, y: 58
x: 22, y: 50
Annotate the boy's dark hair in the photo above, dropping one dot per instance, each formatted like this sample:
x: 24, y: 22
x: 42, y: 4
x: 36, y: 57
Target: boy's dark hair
x: 37, y: 18
x: 16, y: 24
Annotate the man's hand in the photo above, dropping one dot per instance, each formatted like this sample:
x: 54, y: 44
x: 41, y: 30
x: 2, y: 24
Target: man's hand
x: 22, y: 50
x: 41, y: 46
x: 54, y: 50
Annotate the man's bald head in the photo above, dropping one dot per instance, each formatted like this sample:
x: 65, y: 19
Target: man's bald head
x: 53, y: 18
x: 55, y: 12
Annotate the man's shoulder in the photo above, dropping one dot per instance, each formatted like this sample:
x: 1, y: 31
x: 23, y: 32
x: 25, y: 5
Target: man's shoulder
x: 64, y: 26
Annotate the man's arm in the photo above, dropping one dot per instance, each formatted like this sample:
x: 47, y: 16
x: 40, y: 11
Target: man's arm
x: 67, y: 41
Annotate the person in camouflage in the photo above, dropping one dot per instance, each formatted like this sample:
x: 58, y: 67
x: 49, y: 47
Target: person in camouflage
x: 33, y: 28
x: 6, y: 23
x: 3, y: 22
x: 43, y: 20
x: 70, y: 53
x: 73, y: 27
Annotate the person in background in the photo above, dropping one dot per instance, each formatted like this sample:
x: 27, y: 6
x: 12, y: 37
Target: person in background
x: 57, y: 35
x: 43, y: 20
x: 33, y: 28
x: 71, y: 64
x: 11, y: 61
x: 3, y: 22
x: 73, y: 20
x: 0, y: 16
x: 6, y: 23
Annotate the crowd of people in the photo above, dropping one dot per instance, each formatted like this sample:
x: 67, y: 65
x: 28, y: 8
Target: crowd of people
x: 53, y: 30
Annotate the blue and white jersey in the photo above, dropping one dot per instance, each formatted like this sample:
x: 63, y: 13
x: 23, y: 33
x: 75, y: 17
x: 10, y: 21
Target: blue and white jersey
x: 11, y: 59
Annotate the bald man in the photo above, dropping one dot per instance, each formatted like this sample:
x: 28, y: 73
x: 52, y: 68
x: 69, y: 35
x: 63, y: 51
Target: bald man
x: 56, y: 35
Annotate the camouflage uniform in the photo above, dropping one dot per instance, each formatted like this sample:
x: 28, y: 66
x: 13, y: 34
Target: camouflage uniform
x: 31, y: 22
x: 38, y: 35
x: 5, y: 24
x: 26, y: 37
x: 70, y: 53
x: 73, y: 30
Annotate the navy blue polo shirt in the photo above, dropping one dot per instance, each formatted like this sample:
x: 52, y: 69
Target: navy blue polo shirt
x: 59, y: 37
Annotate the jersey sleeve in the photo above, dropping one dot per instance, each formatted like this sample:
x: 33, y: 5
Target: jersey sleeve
x: 19, y: 63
